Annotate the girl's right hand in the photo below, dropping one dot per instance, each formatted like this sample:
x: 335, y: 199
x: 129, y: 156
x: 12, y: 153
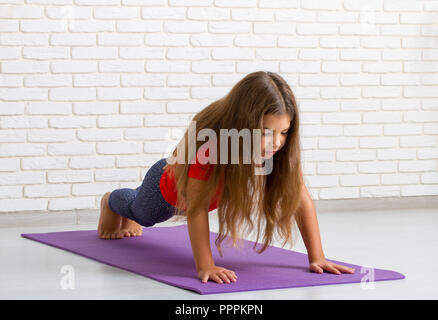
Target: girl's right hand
x: 218, y: 274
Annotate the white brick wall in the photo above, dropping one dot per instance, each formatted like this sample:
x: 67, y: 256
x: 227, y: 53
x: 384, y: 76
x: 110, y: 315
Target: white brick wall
x: 93, y: 92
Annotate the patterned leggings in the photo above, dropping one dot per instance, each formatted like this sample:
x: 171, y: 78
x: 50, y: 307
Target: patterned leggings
x: 145, y: 205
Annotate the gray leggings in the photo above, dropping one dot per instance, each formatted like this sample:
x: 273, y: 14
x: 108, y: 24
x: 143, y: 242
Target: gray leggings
x: 145, y: 205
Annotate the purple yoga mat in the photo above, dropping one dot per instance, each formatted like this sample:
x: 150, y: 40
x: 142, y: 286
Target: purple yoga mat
x: 164, y: 254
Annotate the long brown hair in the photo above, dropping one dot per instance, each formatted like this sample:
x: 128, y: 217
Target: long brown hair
x: 272, y: 198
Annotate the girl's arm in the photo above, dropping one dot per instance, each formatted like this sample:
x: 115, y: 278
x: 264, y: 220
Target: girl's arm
x: 308, y: 225
x: 199, y: 233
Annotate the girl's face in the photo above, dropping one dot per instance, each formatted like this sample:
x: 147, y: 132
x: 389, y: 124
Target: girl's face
x: 279, y: 125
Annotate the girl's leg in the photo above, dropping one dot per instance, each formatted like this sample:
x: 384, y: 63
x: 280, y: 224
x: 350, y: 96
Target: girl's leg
x: 109, y: 221
x: 144, y: 205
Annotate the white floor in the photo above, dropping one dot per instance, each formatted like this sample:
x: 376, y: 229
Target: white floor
x: 404, y: 240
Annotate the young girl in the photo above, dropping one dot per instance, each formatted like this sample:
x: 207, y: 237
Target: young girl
x: 189, y: 190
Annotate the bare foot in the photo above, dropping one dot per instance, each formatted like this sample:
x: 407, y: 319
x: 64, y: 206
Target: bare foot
x: 109, y: 221
x: 131, y: 228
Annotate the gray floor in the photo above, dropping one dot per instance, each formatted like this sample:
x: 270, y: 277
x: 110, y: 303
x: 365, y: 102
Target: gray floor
x: 404, y: 240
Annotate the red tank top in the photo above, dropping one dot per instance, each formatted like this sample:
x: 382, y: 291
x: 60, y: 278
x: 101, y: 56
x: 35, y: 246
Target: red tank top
x: 197, y: 171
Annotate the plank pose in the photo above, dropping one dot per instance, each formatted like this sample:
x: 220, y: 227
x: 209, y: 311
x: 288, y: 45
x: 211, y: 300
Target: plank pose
x: 190, y: 189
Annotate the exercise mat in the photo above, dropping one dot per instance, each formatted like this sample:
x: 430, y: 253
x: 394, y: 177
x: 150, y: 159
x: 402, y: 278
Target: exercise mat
x: 164, y: 254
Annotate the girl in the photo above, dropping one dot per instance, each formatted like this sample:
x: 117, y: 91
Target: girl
x: 189, y: 190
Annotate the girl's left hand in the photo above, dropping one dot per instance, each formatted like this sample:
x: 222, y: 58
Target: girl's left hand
x: 319, y: 266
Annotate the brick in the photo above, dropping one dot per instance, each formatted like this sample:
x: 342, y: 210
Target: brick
x: 208, y: 93
x: 23, y: 122
x: 318, y: 5
x: 44, y: 163
x: 168, y: 66
x: 48, y: 108
x: 69, y: 176
x: 208, y: 14
x: 9, y: 26
x: 11, y: 192
x: 120, y: 39
x: 46, y: 53
x: 91, y: 108
x: 119, y: 148
x: 316, y: 28
x: 71, y: 148
x: 19, y: 205
x: 141, y: 53
x: 115, y: 13
x: 92, y: 26
x: 144, y: 2
x: 250, y: 66
x: 150, y: 107
x: 233, y: 27
x: 182, y: 80
x: 22, y: 178
x: 254, y: 41
x: 168, y: 40
x: 213, y: 66
x: 93, y: 189
x: 18, y: 39
x: 117, y: 175
x: 25, y: 67
x: 277, y: 54
x: 97, y: 2
x: 49, y: 80
x: 72, y: 94
x: 138, y: 26
x: 12, y: 135
x: 121, y: 66
x: 147, y: 133
x: 126, y: 161
x: 337, y: 93
x: 75, y: 203
x: 73, y: 39
x: 300, y: 66
x: 99, y: 134
x: 69, y: 12
x: 279, y: 4
x: 401, y: 5
x: 363, y: 5
x: 116, y: 121
x: 236, y: 3
x: 44, y: 26
x: 47, y: 191
x: 92, y: 80
x: 10, y: 80
x: 119, y: 93
x: 140, y: 80
x: 162, y: 13
x: 184, y: 27
x: 51, y: 135
x: 382, y: 117
x: 74, y: 66
x: 88, y: 162
x: 21, y: 12
x: 297, y: 42
x: 167, y: 93
x: 9, y: 164
x: 232, y: 53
